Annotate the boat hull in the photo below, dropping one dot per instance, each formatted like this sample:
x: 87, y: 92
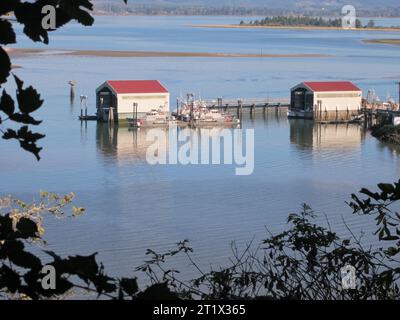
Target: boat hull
x: 300, y: 114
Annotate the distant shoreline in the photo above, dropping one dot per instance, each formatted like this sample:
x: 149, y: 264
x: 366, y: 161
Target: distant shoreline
x: 238, y: 26
x: 20, y: 53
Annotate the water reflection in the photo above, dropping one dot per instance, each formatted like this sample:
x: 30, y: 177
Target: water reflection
x: 123, y: 143
x: 306, y: 134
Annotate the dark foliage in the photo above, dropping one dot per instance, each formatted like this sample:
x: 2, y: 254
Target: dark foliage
x: 387, y: 133
x: 303, y: 262
x: 29, y: 14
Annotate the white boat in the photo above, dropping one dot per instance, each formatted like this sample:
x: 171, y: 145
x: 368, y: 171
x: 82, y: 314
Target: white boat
x: 151, y: 119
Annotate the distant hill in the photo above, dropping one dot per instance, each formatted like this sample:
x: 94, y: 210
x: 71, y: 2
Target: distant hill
x: 269, y: 3
x: 362, y: 4
x: 379, y: 7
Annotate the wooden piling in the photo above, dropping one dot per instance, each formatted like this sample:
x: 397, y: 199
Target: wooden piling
x: 252, y: 109
x: 72, y: 84
x: 111, y: 115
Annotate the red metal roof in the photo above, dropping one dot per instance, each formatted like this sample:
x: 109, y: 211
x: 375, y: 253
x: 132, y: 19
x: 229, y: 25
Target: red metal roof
x: 137, y: 86
x: 331, y: 86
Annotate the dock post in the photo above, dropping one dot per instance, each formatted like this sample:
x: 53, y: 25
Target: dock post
x: 72, y: 84
x: 252, y: 109
x: 86, y: 106
x: 320, y: 110
x: 399, y: 94
x: 111, y: 115
x: 136, y: 110
x: 134, y: 115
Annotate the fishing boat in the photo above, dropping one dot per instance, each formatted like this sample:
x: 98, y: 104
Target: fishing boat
x: 153, y: 118
x: 196, y: 112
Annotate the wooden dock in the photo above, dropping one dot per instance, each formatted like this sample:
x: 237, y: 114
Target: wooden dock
x: 249, y: 104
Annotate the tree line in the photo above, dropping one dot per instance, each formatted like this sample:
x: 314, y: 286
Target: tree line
x: 300, y: 21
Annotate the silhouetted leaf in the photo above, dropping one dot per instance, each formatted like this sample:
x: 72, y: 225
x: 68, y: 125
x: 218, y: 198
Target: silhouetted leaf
x: 74, y: 9
x: 28, y: 100
x: 84, y: 267
x: 5, y: 66
x: 31, y: 147
x: 27, y: 228
x: 158, y: 291
x: 373, y: 195
x: 26, y: 138
x: 7, y: 6
x: 19, y: 82
x: 392, y: 251
x: 30, y: 15
x: 24, y: 118
x: 130, y: 286
x: 9, y: 279
x: 7, y: 104
x: 6, y: 228
x: 10, y: 134
x: 386, y: 187
x: 17, y: 255
x: 7, y: 34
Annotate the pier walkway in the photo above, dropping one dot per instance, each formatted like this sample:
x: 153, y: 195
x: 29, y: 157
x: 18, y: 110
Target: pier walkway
x: 250, y: 103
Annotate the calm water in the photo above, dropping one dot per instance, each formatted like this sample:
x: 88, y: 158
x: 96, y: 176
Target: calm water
x: 132, y: 206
